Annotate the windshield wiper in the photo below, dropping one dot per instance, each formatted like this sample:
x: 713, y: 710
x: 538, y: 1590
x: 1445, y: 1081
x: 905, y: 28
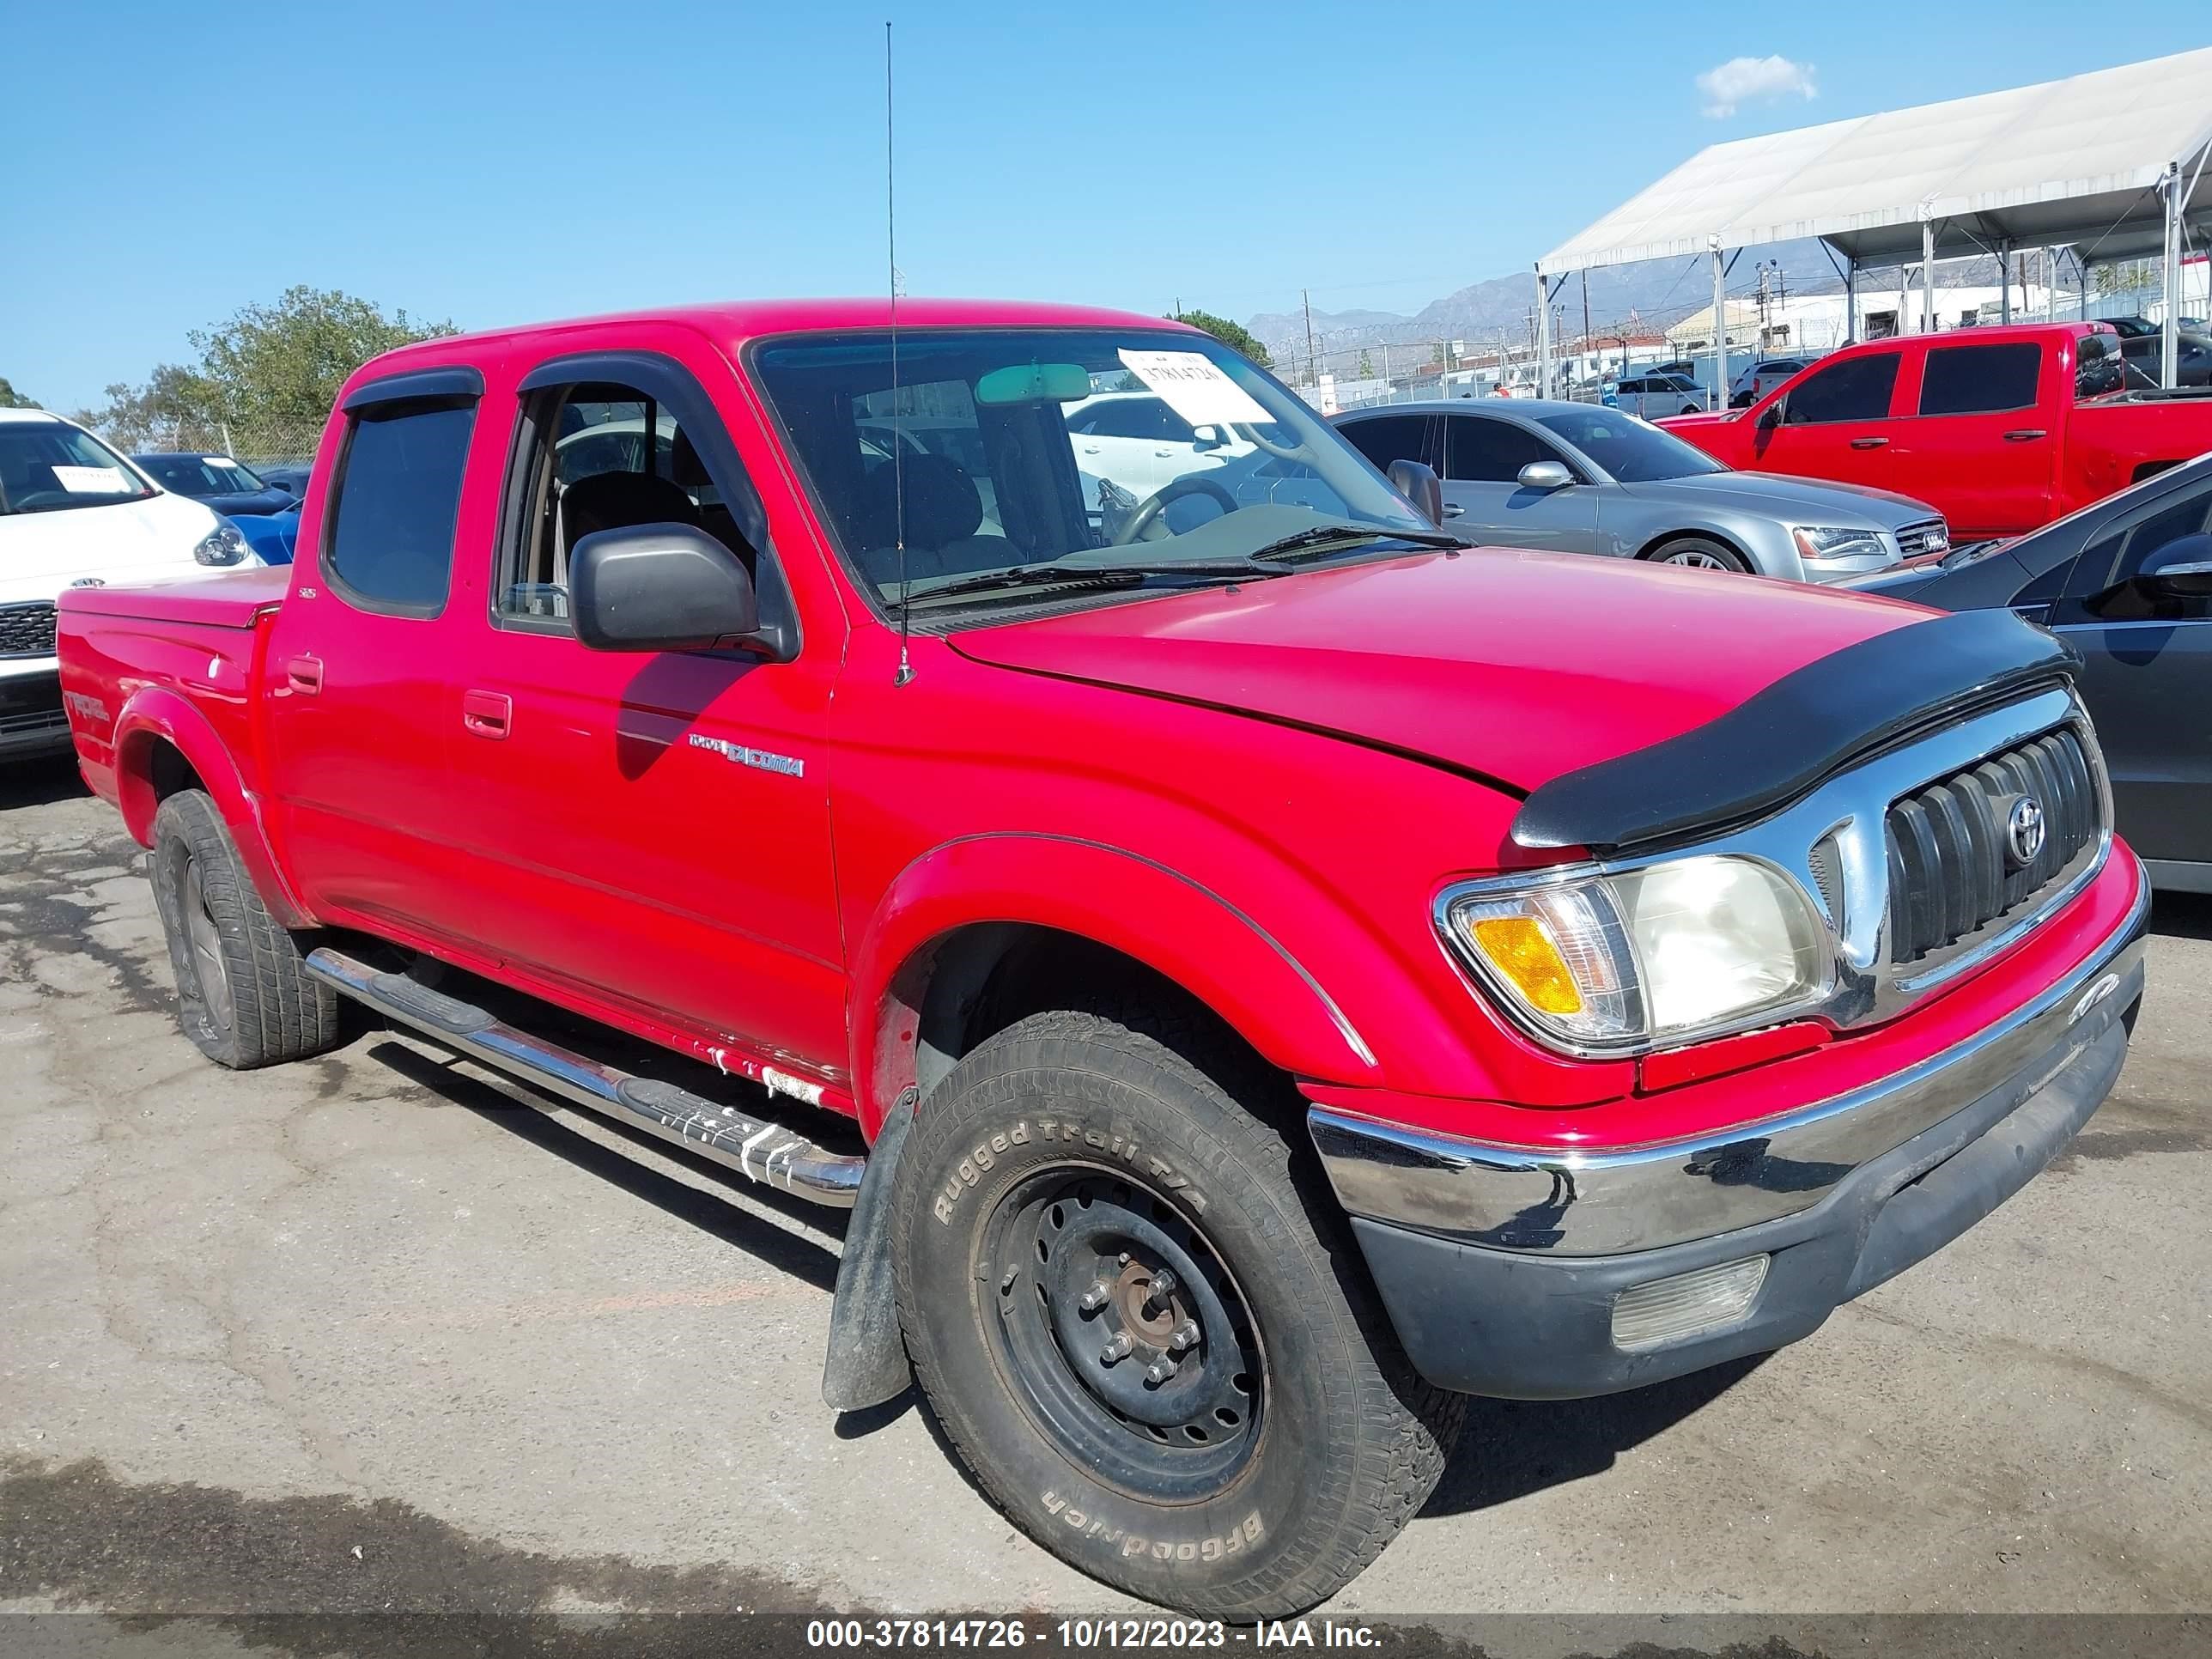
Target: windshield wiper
x: 1325, y: 539
x: 1087, y: 575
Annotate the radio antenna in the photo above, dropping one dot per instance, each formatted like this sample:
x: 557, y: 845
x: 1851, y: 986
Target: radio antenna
x: 898, y: 441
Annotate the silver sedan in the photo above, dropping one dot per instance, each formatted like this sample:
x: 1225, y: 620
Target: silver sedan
x: 1581, y: 478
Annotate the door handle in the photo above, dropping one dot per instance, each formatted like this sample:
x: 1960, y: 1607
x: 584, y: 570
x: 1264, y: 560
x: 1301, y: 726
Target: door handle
x: 1090, y: 449
x: 1869, y: 443
x: 304, y: 675
x: 487, y: 714
x: 1453, y: 510
x: 2025, y: 434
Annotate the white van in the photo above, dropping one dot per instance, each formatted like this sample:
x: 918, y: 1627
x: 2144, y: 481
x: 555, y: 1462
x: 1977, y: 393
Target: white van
x: 73, y: 513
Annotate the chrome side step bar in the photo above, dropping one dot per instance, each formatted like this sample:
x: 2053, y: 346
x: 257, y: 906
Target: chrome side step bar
x: 754, y: 1147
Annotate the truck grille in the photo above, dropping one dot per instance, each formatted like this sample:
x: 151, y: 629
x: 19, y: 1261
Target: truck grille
x: 1951, y: 871
x: 26, y: 630
x: 1928, y: 535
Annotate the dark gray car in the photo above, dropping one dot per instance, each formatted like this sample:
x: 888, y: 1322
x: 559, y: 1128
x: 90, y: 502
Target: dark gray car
x: 2128, y: 582
x: 1581, y: 478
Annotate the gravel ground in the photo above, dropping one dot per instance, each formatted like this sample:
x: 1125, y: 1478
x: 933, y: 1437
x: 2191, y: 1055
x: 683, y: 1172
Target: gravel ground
x: 368, y: 1333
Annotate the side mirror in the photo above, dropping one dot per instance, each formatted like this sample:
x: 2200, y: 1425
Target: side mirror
x: 658, y: 588
x: 2182, y: 569
x: 1545, y: 475
x: 1207, y: 437
x: 1771, y: 417
x: 1419, y: 485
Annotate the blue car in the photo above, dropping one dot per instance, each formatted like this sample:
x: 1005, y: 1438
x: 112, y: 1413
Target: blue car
x: 271, y: 535
x: 229, y: 488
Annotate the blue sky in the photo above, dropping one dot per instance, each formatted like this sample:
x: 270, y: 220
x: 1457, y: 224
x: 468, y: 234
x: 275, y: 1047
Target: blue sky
x: 162, y: 165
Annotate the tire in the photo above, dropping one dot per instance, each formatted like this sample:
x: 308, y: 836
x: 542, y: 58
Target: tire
x: 1059, y: 1143
x: 1690, y: 409
x: 1701, y: 553
x: 244, y: 994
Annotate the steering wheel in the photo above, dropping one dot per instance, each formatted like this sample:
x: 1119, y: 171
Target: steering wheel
x: 1143, y: 518
x: 1292, y: 452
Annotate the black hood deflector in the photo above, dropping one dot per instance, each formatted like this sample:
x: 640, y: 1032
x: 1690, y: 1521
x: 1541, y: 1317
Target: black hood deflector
x: 1772, y: 748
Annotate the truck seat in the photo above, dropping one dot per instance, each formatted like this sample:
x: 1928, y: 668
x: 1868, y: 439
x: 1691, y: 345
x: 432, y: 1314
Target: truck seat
x: 944, y: 510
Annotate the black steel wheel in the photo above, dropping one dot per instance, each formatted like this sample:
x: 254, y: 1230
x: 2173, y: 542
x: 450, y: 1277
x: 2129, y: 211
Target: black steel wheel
x: 1123, y: 1333
x: 1137, y: 1313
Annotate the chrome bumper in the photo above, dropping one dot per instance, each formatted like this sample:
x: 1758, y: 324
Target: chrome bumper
x: 1595, y: 1203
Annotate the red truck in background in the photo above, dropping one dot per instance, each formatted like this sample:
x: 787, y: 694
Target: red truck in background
x: 1257, y: 970
x: 2001, y: 429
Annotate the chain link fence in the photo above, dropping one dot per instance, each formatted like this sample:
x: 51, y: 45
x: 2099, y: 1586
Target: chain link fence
x: 271, y: 443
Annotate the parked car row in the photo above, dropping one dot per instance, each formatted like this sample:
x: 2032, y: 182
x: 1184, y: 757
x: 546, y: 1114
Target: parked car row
x: 75, y: 514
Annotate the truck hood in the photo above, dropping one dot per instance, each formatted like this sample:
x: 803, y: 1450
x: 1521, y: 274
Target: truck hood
x: 1511, y: 667
x: 1800, y: 500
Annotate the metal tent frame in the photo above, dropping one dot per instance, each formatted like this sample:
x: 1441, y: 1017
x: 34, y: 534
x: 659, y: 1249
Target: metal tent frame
x: 2108, y: 163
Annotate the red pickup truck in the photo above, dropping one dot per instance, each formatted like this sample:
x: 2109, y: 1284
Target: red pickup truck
x: 1256, y: 971
x: 2001, y: 429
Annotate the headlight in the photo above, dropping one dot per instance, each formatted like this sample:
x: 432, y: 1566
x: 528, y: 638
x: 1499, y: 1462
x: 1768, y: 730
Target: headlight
x: 1673, y: 950
x: 224, y: 544
x: 1816, y: 543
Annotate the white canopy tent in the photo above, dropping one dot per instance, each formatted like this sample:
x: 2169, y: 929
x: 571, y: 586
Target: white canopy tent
x: 2105, y: 162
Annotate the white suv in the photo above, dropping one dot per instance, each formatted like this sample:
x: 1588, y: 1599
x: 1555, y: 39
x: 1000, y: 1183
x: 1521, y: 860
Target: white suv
x: 73, y: 511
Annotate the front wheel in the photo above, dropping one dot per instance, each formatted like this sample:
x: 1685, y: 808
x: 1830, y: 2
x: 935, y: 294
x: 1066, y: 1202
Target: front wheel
x: 1700, y: 553
x: 1129, y: 1307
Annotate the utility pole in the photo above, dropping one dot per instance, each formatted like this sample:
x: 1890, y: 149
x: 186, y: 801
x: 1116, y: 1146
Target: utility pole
x: 1720, y: 325
x: 1928, y: 267
x: 2169, y: 334
x: 1313, y: 369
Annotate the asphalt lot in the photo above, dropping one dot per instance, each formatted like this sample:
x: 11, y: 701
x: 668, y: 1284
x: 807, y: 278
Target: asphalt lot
x: 365, y: 1332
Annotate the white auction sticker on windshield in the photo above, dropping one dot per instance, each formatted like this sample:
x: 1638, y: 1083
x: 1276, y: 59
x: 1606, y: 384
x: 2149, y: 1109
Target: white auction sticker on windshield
x: 1192, y: 384
x: 91, y: 480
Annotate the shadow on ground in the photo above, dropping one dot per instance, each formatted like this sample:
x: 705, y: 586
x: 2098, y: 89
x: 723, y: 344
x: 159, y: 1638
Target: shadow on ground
x: 40, y: 782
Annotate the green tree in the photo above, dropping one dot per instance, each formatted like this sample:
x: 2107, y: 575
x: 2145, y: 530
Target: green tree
x: 11, y: 398
x: 176, y: 408
x: 282, y: 364
x: 269, y: 368
x: 1235, y: 336
x: 1366, y: 367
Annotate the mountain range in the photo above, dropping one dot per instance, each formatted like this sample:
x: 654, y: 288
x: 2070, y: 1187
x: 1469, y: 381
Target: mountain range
x: 1658, y: 291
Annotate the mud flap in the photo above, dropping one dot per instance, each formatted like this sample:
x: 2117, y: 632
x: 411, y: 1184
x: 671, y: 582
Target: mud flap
x: 867, y: 1364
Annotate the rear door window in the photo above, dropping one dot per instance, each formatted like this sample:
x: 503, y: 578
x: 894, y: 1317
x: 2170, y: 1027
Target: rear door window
x: 1980, y: 379
x: 390, y: 545
x: 1855, y: 389
x: 1389, y: 438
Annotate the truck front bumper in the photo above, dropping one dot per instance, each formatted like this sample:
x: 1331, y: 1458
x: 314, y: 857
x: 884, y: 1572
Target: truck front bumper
x: 1538, y: 1274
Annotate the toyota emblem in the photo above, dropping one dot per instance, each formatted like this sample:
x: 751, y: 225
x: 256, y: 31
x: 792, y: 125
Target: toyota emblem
x: 2024, y: 831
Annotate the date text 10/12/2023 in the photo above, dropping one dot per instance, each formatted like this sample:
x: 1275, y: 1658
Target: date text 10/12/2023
x: 1088, y: 1635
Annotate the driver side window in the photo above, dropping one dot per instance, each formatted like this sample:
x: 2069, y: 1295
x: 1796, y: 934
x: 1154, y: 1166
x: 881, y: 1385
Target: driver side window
x: 1856, y: 389
x: 1478, y: 450
x: 2104, y: 572
x: 602, y: 456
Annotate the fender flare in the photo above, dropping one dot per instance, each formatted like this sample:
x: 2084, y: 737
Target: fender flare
x: 157, y: 712
x: 1125, y: 901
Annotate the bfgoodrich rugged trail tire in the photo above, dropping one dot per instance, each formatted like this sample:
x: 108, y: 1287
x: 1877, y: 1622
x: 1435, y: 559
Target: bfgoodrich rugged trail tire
x: 1047, y: 1183
x: 244, y: 994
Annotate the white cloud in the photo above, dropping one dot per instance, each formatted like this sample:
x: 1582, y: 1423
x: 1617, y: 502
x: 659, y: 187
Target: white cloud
x: 1744, y: 80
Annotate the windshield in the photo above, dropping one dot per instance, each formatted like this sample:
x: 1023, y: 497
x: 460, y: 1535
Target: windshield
x: 1078, y: 451
x: 1627, y: 449
x: 201, y: 474
x: 48, y: 467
